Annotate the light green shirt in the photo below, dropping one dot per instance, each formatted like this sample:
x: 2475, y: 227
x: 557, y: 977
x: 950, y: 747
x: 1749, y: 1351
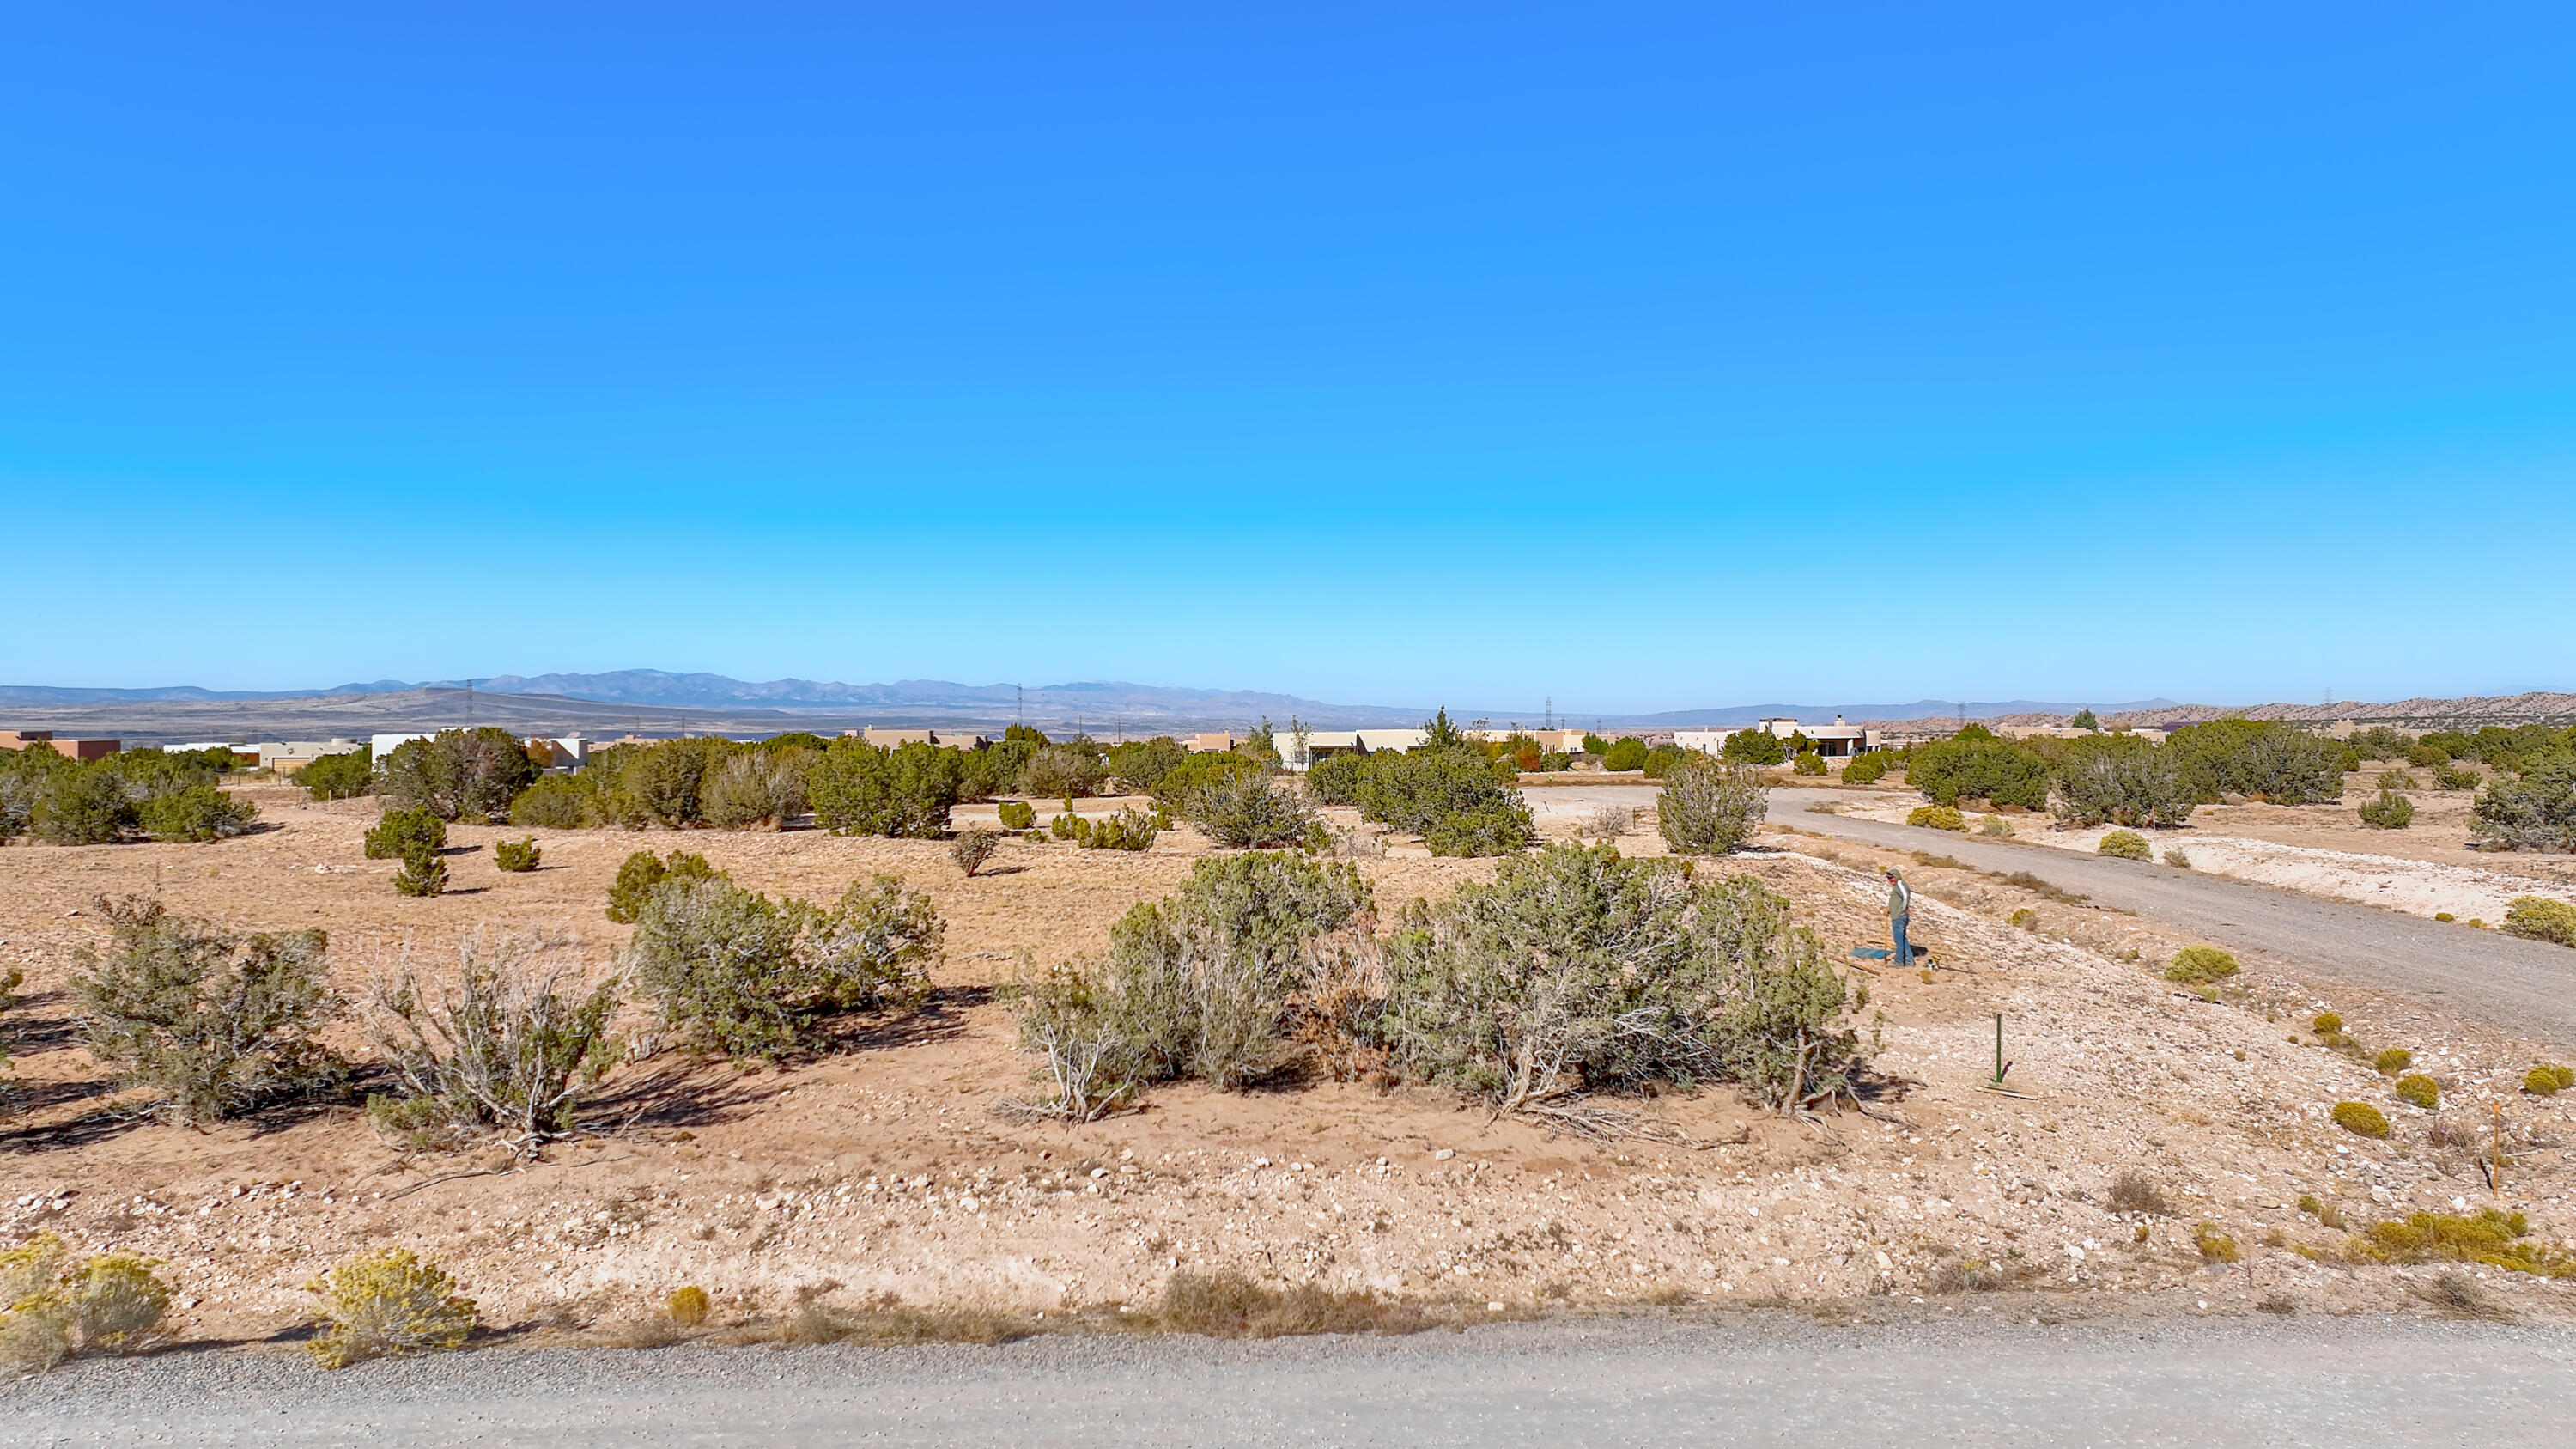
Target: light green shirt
x: 1900, y: 901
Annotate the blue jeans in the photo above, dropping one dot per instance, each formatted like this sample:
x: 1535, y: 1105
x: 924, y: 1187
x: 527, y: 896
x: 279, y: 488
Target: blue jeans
x: 1904, y: 954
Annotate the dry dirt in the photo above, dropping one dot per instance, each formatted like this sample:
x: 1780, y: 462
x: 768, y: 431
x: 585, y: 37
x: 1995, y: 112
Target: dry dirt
x: 883, y: 1170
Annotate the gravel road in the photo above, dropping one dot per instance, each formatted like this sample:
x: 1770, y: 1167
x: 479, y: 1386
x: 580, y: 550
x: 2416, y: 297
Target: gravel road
x: 1769, y: 1378
x: 2528, y: 987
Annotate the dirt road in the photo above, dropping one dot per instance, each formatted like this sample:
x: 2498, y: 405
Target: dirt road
x: 2525, y: 986
x: 1943, y: 1378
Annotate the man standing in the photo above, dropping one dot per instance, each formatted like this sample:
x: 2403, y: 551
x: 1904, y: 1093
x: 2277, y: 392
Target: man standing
x: 1900, y: 905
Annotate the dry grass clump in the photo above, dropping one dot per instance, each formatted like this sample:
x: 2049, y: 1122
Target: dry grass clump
x: 2459, y: 1296
x: 2026, y: 881
x: 1229, y: 1305
x: 2279, y: 1305
x: 2393, y: 1061
x: 386, y: 1303
x: 2214, y: 1246
x: 973, y: 846
x: 2135, y: 1192
x: 2324, y: 1212
x: 890, y: 1320
x: 2361, y: 1119
x: 1994, y: 825
x: 1937, y: 817
x: 1608, y: 822
x: 1977, y: 1275
x: 687, y: 1306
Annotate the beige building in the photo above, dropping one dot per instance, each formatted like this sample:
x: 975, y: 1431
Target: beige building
x: 1834, y: 741
x: 68, y: 749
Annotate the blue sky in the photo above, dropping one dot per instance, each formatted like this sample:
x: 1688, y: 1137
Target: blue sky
x: 1644, y: 357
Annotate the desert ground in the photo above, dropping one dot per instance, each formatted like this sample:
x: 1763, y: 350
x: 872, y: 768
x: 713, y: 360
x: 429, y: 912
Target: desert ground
x: 884, y: 1172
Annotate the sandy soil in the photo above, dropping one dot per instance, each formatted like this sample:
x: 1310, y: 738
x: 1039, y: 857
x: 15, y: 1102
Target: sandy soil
x: 884, y: 1169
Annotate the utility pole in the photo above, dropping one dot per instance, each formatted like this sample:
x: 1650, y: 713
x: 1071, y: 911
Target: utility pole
x: 1551, y: 713
x: 1019, y: 705
x: 469, y: 704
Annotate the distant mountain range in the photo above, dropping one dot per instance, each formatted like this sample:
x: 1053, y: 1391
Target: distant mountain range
x: 656, y: 701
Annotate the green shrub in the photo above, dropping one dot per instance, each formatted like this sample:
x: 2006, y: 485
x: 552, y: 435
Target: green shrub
x: 1072, y: 768
x: 2539, y: 918
x: 2282, y: 763
x: 1338, y: 779
x: 2326, y: 1023
x: 81, y: 804
x: 1201, y: 770
x: 1867, y: 769
x: 456, y: 774
x: 1807, y: 763
x: 1661, y: 759
x: 753, y: 977
x: 2491, y: 1237
x: 757, y: 788
x: 1579, y: 970
x: 2455, y: 777
x: 1494, y: 830
x: 1937, y: 817
x: 863, y: 789
x: 1754, y: 747
x: 2418, y: 1090
x: 423, y: 874
x: 385, y: 1303
x: 1197, y: 985
x: 2397, y: 780
x: 642, y: 872
x: 555, y: 802
x: 1245, y: 809
x: 1129, y: 829
x: 1421, y: 789
x: 517, y: 856
x: 2125, y: 845
x: 1070, y: 826
x: 2119, y: 780
x: 2200, y: 965
x: 339, y: 777
x: 199, y: 813
x: 2547, y: 1080
x: 2427, y: 754
x: 2393, y: 1061
x: 218, y: 1023
x: 1140, y: 765
x: 2388, y: 810
x: 2380, y: 742
x: 1018, y: 815
x: 1710, y: 808
x: 2360, y: 1119
x: 402, y: 833
x: 1627, y: 753
x: 1984, y: 768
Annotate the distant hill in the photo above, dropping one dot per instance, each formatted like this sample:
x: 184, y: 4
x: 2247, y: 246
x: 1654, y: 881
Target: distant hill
x: 653, y: 701
x: 2416, y: 714
x: 1732, y: 716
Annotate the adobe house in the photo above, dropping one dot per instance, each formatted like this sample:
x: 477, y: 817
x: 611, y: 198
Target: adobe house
x: 68, y: 749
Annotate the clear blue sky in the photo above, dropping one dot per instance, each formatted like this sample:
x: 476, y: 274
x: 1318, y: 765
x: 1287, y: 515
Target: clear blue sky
x: 1644, y: 357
